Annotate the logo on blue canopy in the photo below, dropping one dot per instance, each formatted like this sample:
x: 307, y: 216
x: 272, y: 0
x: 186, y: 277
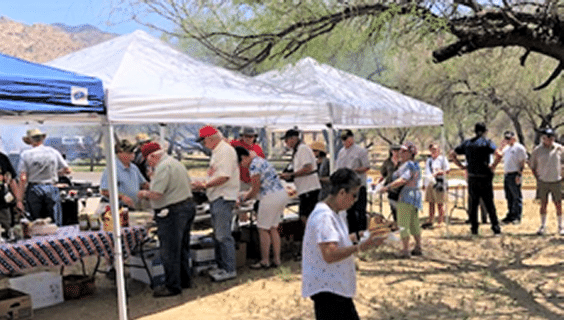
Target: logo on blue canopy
x: 79, y: 96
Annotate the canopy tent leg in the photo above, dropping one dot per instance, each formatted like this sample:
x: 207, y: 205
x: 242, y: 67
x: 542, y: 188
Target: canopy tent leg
x: 331, y: 142
x: 114, y: 205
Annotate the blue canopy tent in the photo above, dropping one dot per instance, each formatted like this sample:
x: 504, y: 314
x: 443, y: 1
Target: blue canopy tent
x: 35, y: 93
x: 39, y: 93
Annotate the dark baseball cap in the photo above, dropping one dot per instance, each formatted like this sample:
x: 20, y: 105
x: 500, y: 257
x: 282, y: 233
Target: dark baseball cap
x: 548, y: 132
x: 508, y: 135
x: 346, y: 133
x: 290, y: 133
x: 395, y: 147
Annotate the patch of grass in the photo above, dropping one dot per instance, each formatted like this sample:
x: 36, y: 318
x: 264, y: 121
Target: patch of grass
x: 285, y: 274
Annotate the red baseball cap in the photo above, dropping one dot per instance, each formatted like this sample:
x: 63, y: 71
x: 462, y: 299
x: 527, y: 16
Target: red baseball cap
x: 149, y: 148
x: 205, y: 132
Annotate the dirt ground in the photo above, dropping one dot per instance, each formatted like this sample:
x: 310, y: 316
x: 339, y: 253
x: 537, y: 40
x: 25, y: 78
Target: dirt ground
x: 515, y: 276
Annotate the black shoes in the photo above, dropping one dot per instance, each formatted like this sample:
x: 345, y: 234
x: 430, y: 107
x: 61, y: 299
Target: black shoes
x: 163, y: 291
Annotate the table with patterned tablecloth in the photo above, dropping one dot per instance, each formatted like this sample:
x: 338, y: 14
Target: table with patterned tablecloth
x: 65, y: 248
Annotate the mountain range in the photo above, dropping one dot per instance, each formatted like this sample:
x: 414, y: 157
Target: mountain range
x: 43, y: 42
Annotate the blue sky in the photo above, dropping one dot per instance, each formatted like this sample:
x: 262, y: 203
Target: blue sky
x: 71, y: 12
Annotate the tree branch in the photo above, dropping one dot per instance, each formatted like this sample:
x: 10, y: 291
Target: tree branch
x: 553, y: 76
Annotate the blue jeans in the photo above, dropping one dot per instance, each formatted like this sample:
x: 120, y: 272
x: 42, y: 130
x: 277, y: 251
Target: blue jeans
x: 222, y: 218
x: 513, y: 195
x: 174, y: 236
x: 44, y: 201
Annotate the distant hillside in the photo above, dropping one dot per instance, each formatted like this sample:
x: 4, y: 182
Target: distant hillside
x: 85, y: 33
x: 42, y: 42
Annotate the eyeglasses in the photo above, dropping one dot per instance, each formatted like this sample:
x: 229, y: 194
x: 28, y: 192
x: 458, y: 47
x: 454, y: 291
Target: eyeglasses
x: 355, y: 195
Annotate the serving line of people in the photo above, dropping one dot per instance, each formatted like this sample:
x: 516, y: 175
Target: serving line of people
x: 168, y: 190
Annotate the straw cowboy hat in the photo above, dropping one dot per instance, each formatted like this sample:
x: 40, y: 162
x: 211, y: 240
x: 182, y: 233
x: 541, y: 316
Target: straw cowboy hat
x: 319, y: 146
x: 142, y: 138
x: 33, y: 133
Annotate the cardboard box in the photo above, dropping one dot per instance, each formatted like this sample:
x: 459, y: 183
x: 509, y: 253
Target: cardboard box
x: 241, y: 253
x: 202, y: 255
x: 154, y: 264
x: 45, y: 288
x: 202, y: 249
x: 15, y: 305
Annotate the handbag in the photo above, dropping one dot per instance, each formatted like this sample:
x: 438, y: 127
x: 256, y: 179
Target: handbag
x: 393, y: 194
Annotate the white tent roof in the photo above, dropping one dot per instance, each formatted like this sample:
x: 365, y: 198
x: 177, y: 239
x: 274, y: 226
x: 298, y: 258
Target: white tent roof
x: 146, y: 80
x: 353, y: 102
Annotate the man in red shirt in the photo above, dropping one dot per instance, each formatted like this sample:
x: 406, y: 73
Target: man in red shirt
x: 247, y: 140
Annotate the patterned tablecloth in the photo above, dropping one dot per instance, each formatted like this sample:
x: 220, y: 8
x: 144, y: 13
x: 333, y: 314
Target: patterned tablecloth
x: 67, y: 247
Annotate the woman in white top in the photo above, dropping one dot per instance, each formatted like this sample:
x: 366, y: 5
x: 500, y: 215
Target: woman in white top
x: 328, y: 268
x: 436, y: 169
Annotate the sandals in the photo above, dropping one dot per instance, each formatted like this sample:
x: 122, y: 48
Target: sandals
x: 427, y: 225
x: 259, y: 265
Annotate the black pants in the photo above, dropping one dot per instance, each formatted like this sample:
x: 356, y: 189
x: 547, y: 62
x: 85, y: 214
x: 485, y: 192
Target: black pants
x: 308, y: 201
x: 481, y: 188
x: 356, y: 215
x: 329, y: 306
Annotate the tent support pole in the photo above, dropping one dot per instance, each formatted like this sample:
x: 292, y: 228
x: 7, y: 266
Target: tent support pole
x: 162, y: 133
x: 446, y: 207
x: 331, y: 142
x: 118, y: 253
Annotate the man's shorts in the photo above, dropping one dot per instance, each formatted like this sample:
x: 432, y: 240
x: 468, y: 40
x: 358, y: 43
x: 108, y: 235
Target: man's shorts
x: 544, y: 188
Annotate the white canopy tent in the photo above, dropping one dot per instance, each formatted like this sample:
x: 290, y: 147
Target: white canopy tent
x: 147, y: 81
x: 352, y: 102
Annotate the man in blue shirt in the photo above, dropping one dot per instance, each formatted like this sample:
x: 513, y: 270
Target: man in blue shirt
x: 129, y: 178
x: 478, y: 152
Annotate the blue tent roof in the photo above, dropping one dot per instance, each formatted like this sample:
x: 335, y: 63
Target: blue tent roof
x: 30, y: 88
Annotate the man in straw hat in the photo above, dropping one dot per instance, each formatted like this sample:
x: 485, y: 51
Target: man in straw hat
x: 129, y: 178
x: 39, y: 169
x: 323, y: 170
x: 138, y: 160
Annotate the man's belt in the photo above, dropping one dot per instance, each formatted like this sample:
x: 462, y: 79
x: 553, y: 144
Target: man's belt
x: 179, y: 203
x: 31, y: 184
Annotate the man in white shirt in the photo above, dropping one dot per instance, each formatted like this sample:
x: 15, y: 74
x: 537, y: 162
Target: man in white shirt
x: 305, y: 175
x: 355, y: 157
x: 545, y: 163
x: 40, y: 168
x: 222, y: 189
x: 514, y: 156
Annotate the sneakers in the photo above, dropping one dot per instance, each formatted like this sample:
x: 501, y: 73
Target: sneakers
x: 561, y: 231
x: 541, y: 231
x: 417, y: 251
x: 222, y: 275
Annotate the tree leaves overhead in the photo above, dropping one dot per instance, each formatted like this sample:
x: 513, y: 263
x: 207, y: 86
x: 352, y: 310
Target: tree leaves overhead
x: 246, y: 33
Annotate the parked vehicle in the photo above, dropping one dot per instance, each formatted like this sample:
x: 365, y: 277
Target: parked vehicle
x: 75, y: 147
